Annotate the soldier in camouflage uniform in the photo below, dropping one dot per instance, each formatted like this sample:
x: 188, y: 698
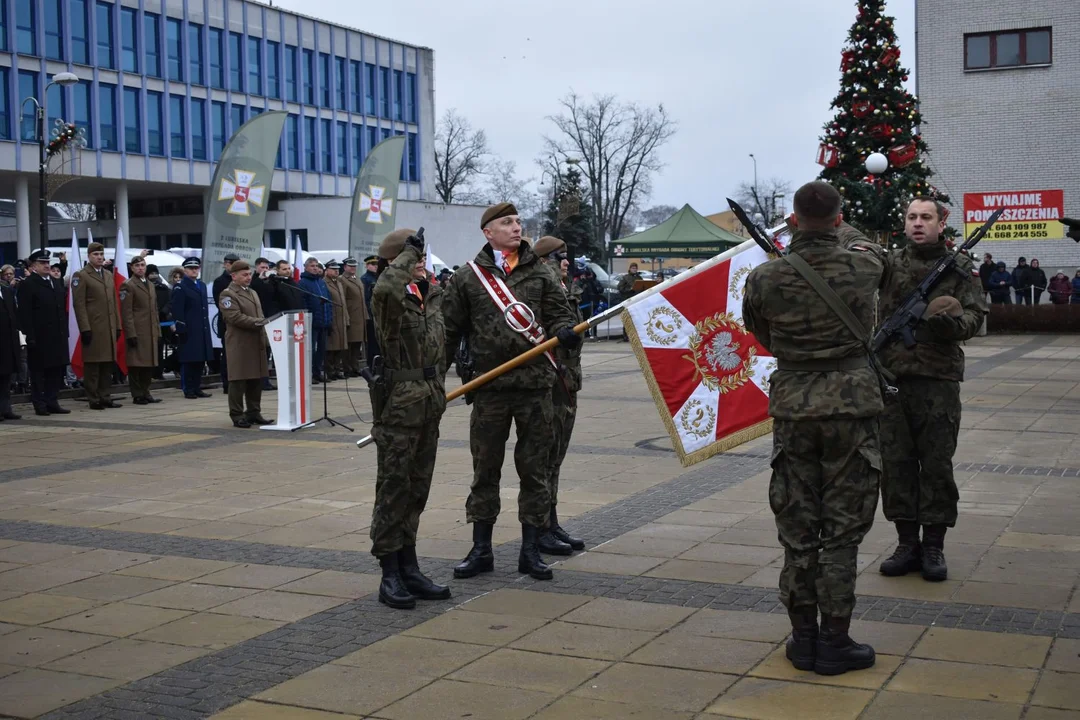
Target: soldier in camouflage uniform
x: 825, y: 399
x: 521, y: 396
x: 408, y: 401
x: 919, y: 430
x: 556, y: 540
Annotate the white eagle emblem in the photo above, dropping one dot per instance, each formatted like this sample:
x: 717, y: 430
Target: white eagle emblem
x: 226, y: 303
x: 75, y: 281
x: 721, y: 354
x: 123, y: 295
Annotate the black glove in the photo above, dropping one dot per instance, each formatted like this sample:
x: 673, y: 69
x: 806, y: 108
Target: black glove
x: 87, y: 337
x: 132, y: 342
x: 568, y: 338
x: 944, y: 326
x: 415, y: 242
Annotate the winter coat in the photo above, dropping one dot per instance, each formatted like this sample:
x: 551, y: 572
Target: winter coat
x: 245, y: 338
x: 43, y: 319
x: 339, y: 317
x: 267, y: 292
x: 1021, y: 276
x: 985, y: 271
x: 354, y: 301
x: 9, y: 333
x: 1060, y: 290
x: 1076, y: 289
x: 139, y: 316
x: 1037, y: 278
x: 322, y: 313
x: 93, y: 299
x: 997, y: 290
x: 191, y: 311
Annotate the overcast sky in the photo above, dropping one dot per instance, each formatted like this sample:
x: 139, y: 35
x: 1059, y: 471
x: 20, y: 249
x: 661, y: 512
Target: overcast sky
x: 739, y: 76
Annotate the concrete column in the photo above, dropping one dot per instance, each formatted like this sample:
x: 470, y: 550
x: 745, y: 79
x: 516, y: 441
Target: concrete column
x: 122, y: 212
x: 22, y: 215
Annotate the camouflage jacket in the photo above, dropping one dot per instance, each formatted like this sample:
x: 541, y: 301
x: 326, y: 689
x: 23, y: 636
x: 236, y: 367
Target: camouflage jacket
x: 791, y: 320
x: 469, y: 310
x: 411, y: 336
x: 570, y: 360
x: 932, y: 356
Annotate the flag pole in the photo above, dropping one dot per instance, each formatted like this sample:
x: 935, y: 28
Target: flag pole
x: 581, y: 327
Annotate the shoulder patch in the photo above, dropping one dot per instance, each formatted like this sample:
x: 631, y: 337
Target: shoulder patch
x: 860, y: 248
x: 123, y: 295
x: 226, y: 302
x: 75, y: 281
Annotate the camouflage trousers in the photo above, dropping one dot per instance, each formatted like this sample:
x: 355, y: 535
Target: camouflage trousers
x: 918, y: 438
x: 565, y: 415
x: 406, y: 462
x: 824, y: 494
x: 489, y: 429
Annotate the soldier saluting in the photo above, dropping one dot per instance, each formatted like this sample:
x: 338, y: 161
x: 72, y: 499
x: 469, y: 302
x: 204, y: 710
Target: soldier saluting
x: 507, y: 280
x: 93, y: 298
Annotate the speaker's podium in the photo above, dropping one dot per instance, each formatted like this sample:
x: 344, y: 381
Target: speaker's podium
x: 290, y: 343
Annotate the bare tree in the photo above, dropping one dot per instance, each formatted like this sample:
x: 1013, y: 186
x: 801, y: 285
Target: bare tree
x: 617, y: 146
x: 768, y: 198
x: 459, y: 156
x: 79, y: 211
x: 657, y: 214
x: 505, y: 185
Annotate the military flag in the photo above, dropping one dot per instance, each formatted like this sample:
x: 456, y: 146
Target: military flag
x: 120, y: 276
x: 240, y: 193
x: 374, y: 207
x: 74, y: 336
x: 708, y: 376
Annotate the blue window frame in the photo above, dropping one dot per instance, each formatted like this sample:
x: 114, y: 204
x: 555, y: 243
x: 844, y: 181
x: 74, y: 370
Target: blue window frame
x: 414, y: 157
x: 177, y: 137
x: 386, y: 132
x: 339, y: 78
x: 357, y: 148
x: 155, y: 123
x: 254, y: 65
x: 410, y: 97
x: 80, y: 34
x: 195, y: 54
x: 54, y: 29
x: 236, y: 62
x: 217, y: 58
x: 217, y: 122
x: 309, y: 76
x: 107, y: 116
x: 399, y: 95
x: 292, y: 132
x: 356, y: 75
x: 273, y: 72
x: 369, y: 89
x: 342, y: 141
x: 198, y: 129
x: 105, y: 35
x: 5, y: 101
x: 310, y: 156
x: 372, y: 138
x: 56, y: 103
x: 132, y: 131
x: 81, y: 94
x: 327, y: 145
x: 236, y: 118
x: 291, y: 93
x: 324, y: 79
x: 384, y: 92
x: 152, y: 40
x: 28, y: 87
x: 3, y: 25
x: 26, y: 27
x: 174, y: 48
x: 129, y: 40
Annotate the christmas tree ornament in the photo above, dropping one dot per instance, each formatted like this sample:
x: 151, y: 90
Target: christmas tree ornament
x: 876, y: 163
x: 828, y: 156
x: 902, y: 155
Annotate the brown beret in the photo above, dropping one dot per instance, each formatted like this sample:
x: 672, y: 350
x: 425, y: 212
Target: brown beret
x: 394, y: 243
x: 944, y: 304
x: 95, y: 247
x: 239, y: 265
x: 497, y: 211
x: 547, y: 245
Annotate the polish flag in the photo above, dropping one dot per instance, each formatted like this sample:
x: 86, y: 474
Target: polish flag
x: 74, y: 343
x: 120, y: 272
x: 297, y: 258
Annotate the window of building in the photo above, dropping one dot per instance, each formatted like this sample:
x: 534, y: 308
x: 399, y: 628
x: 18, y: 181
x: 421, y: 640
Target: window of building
x: 384, y: 92
x: 5, y: 103
x: 342, y: 141
x: 177, y: 139
x: 253, y: 110
x: 386, y: 132
x: 357, y: 148
x: 339, y: 79
x: 310, y: 157
x: 54, y: 29
x: 1013, y: 48
x: 174, y: 39
x: 28, y: 87
x: 279, y: 159
x: 291, y: 93
x: 254, y: 66
x: 324, y: 79
x: 3, y: 25
x: 25, y: 27
x: 413, y: 147
x: 292, y: 132
x: 198, y: 129
x: 152, y: 39
x: 327, y: 146
x: 369, y: 90
x: 356, y: 72
x: 56, y: 105
x: 399, y: 95
x: 217, y: 123
x: 372, y: 138
x: 410, y: 97
x: 217, y: 57
x: 107, y: 116
x: 132, y: 131
x: 129, y: 40
x: 309, y: 77
x: 105, y: 35
x: 273, y: 73
x: 236, y: 62
x: 80, y: 35
x: 195, y: 54
x: 81, y: 117
x: 155, y: 123
x: 236, y: 118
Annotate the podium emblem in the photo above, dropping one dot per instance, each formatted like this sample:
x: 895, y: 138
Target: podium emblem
x: 298, y: 330
x: 277, y: 336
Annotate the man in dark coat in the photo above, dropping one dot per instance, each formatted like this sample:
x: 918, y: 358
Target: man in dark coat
x: 286, y: 294
x: 221, y: 282
x: 43, y: 319
x: 190, y: 310
x: 368, y: 279
x: 318, y: 302
x: 162, y: 295
x: 9, y: 350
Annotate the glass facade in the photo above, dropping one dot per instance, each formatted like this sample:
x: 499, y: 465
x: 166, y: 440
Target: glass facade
x: 342, y: 141
x: 236, y: 118
x: 339, y: 82
x: 369, y: 89
x: 129, y: 40
x: 155, y: 124
x: 412, y: 147
x: 357, y: 148
x: 273, y: 72
x: 195, y: 54
x: 217, y: 57
x: 309, y: 144
x: 254, y: 66
x: 28, y: 87
x: 25, y: 27
x: 107, y: 116
x: 81, y: 94
x: 384, y: 92
x: 152, y: 38
x: 399, y: 93
x: 356, y: 74
x: 132, y: 131
x: 54, y: 29
x: 324, y: 79
x: 410, y: 97
x: 177, y: 138
x: 217, y: 123
x: 292, y: 135
x: 80, y: 33
x: 56, y: 107
x: 104, y: 14
x: 198, y: 129
x: 327, y: 144
x: 236, y: 62
x: 291, y: 93
x: 309, y: 76
x: 5, y: 104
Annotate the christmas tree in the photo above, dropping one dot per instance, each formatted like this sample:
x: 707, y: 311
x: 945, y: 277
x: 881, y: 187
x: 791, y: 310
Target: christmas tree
x: 568, y: 215
x: 875, y: 114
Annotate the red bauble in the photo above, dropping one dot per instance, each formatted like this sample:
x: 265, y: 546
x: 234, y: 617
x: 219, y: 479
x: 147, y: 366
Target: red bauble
x: 861, y: 109
x: 903, y: 155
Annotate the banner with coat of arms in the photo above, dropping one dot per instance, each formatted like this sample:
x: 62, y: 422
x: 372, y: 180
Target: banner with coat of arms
x: 708, y: 376
x: 374, y: 214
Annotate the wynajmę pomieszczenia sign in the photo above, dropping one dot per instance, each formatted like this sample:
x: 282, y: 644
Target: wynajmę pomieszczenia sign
x: 1029, y: 214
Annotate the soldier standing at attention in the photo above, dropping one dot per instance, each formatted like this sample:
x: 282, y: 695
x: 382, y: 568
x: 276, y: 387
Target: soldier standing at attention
x: 407, y: 401
x: 358, y: 317
x: 506, y: 271
x: 93, y: 298
x: 552, y: 253
x: 825, y: 399
x: 142, y: 331
x: 43, y: 318
x: 337, y: 341
x: 919, y: 430
x: 245, y: 343
x: 190, y: 310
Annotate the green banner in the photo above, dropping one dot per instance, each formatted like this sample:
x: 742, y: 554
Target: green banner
x: 374, y: 207
x: 239, y: 196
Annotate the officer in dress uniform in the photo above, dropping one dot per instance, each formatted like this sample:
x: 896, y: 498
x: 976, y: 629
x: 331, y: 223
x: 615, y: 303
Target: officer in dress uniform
x: 191, y: 311
x: 93, y: 299
x: 358, y: 316
x: 337, y: 341
x: 142, y: 331
x: 245, y: 342
x: 43, y: 319
x: 9, y: 350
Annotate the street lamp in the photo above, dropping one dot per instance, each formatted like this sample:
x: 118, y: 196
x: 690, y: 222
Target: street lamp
x: 62, y: 79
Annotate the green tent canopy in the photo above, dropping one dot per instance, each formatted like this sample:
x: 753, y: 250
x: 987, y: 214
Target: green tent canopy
x: 686, y: 234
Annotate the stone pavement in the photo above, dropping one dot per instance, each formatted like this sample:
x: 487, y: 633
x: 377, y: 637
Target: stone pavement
x: 156, y: 562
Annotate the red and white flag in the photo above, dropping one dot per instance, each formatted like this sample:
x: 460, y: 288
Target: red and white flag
x: 120, y: 276
x: 74, y: 342
x: 708, y: 376
x: 296, y: 258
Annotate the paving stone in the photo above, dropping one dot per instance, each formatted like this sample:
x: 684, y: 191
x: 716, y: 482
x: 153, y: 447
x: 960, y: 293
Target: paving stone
x: 33, y: 692
x: 982, y: 647
x: 249, y: 710
x: 529, y: 671
x: 608, y: 612
x: 887, y: 638
x: 525, y: 604
x: 275, y: 605
x: 262, y: 577
x: 766, y: 699
x: 584, y: 641
x: 696, y: 652
x: 38, y: 608
x: 709, y: 572
x: 192, y: 596
x: 904, y: 706
x: 126, y: 659
x: 342, y: 689
x: 32, y: 647
x: 777, y: 667
x: 1065, y: 656
x: 1040, y: 713
x: 209, y: 630
x: 596, y: 562
x: 962, y: 680
x: 31, y: 552
x: 176, y: 568
x: 110, y: 588
x: 1038, y: 597
x: 733, y: 554
x: 656, y: 687
x: 446, y: 699
x: 578, y: 708
x: 334, y: 584
x: 1058, y: 690
x: 421, y: 656
x: 117, y: 619
x: 36, y: 578
x: 102, y: 561
x: 737, y: 625
x: 475, y: 627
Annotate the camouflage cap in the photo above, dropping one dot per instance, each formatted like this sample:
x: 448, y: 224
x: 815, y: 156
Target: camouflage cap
x: 946, y: 304
x: 394, y: 243
x: 547, y: 245
x: 497, y: 211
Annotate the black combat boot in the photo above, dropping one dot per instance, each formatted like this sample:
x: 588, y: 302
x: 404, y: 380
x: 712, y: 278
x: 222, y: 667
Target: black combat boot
x: 558, y: 532
x: 551, y: 545
x: 933, y: 553
x: 529, y: 560
x: 802, y: 645
x: 908, y: 555
x: 418, y: 584
x: 392, y: 590
x: 480, y: 558
x: 836, y: 651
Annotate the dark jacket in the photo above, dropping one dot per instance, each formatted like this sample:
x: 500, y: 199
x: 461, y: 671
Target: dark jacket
x: 322, y: 313
x: 43, y: 319
x: 1076, y: 289
x: 368, y: 279
x: 163, y: 297
x: 287, y: 295
x: 9, y: 333
x: 997, y: 290
x: 1060, y: 290
x: 191, y: 310
x: 267, y: 296
x: 221, y: 282
x: 1037, y: 278
x: 985, y: 271
x: 1021, y: 276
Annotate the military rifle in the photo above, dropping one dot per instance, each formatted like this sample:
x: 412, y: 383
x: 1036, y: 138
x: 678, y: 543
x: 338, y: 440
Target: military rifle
x: 903, y: 321
x: 761, y: 238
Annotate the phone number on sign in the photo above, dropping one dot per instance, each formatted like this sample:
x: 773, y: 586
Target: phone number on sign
x: 1021, y: 231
